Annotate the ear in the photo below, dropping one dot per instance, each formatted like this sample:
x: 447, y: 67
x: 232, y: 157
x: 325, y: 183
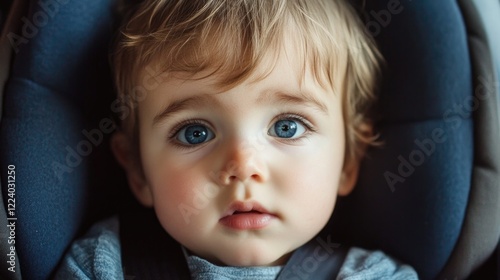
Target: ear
x: 123, y: 150
x: 350, y: 172
x: 349, y: 177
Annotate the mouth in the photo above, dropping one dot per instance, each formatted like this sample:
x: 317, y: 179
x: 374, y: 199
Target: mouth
x: 247, y: 215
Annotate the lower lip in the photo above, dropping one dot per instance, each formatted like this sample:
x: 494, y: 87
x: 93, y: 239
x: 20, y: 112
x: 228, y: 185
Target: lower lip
x: 247, y: 220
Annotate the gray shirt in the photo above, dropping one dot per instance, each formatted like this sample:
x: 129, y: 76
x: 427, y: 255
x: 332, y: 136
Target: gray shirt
x: 97, y: 255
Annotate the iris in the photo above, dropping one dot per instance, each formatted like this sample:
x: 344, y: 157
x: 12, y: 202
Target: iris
x: 285, y: 128
x: 194, y: 134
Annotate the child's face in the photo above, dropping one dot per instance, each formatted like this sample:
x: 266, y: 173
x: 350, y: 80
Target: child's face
x: 271, y: 149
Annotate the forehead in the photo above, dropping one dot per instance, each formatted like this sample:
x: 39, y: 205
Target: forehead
x: 288, y: 59
x: 277, y: 82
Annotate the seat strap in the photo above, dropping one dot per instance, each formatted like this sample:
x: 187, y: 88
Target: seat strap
x: 320, y: 258
x: 148, y: 252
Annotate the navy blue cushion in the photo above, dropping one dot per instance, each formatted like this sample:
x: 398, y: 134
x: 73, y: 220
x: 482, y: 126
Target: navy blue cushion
x: 61, y: 86
x: 57, y: 97
x: 413, y: 190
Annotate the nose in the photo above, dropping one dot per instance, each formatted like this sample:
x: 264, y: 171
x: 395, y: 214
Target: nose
x: 243, y: 162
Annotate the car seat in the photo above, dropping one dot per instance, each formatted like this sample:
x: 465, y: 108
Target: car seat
x: 429, y: 195
x: 55, y: 104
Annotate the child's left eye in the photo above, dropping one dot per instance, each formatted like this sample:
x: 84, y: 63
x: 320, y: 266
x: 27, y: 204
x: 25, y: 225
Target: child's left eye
x: 287, y: 128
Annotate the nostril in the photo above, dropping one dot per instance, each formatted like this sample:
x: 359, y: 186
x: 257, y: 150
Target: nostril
x: 256, y: 177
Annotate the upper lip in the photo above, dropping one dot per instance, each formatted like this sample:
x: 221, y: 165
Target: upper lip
x: 245, y: 206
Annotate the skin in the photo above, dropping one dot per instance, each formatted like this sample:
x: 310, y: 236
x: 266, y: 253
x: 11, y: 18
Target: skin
x: 191, y: 186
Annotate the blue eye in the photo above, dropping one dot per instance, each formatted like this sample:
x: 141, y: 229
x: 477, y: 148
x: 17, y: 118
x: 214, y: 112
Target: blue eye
x: 287, y: 129
x: 194, y: 134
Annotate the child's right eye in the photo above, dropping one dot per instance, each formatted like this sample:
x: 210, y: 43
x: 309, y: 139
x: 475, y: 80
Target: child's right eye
x: 194, y: 134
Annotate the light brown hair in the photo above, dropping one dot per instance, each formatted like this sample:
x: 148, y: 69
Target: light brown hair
x: 229, y: 38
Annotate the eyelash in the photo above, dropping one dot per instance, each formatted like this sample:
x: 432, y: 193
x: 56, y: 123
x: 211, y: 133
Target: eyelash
x: 179, y: 126
x: 296, y: 117
x: 299, y: 118
x: 284, y: 116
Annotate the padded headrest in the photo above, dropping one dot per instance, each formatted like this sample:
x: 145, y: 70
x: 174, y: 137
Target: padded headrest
x: 58, y: 94
x: 413, y: 191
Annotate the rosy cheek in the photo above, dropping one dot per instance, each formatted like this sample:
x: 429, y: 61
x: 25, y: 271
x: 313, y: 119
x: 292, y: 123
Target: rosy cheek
x: 180, y: 197
x: 313, y: 187
x: 170, y: 189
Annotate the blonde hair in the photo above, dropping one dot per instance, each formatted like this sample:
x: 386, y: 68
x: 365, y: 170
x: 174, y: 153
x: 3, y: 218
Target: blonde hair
x: 229, y: 38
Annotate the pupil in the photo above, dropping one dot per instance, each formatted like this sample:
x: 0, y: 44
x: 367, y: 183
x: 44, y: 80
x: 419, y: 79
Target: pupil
x: 285, y: 127
x: 196, y: 134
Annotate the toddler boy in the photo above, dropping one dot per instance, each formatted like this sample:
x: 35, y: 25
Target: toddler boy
x: 256, y: 108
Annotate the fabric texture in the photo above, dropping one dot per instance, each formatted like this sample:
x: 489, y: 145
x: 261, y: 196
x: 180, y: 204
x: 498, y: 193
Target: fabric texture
x: 97, y: 255
x: 413, y: 189
x: 363, y: 264
x: 94, y: 256
x: 58, y: 92
x: 481, y: 227
x: 202, y: 269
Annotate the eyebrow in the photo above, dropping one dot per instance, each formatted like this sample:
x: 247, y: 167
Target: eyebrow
x: 301, y: 98
x: 179, y: 105
x: 268, y: 97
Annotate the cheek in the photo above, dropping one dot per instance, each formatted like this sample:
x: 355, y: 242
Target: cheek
x: 315, y: 187
x: 311, y: 184
x: 175, y: 201
x: 170, y: 189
